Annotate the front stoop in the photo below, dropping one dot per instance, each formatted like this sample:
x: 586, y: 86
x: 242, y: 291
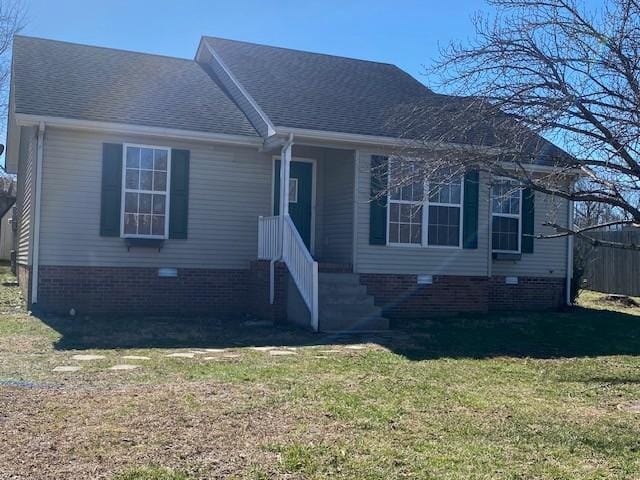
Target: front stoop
x: 344, y: 305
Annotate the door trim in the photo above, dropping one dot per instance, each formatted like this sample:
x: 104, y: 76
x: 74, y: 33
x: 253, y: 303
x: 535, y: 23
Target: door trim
x: 314, y: 176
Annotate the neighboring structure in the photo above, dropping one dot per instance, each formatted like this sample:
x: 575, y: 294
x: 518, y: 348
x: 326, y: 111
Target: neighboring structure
x: 149, y: 184
x: 7, y: 235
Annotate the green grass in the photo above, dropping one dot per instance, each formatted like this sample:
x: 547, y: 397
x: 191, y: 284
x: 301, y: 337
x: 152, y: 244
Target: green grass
x: 511, y: 396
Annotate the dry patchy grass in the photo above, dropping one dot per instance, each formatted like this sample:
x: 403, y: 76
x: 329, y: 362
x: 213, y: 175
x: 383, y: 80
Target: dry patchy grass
x: 508, y: 396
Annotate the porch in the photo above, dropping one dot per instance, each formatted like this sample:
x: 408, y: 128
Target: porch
x: 312, y: 232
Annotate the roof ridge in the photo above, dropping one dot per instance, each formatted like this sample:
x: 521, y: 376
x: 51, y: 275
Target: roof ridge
x: 77, y: 44
x: 301, y: 51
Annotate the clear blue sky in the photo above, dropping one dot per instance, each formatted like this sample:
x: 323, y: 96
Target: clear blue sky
x: 403, y: 32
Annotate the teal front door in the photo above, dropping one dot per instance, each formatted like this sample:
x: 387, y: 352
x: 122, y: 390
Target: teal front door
x: 300, y: 197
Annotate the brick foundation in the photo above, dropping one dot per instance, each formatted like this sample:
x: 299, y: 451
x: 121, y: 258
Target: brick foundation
x: 23, y: 272
x: 401, y: 297
x: 125, y: 290
x: 259, y: 291
x: 531, y: 293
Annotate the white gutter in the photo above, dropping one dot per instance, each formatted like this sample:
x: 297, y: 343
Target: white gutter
x: 569, y: 253
x: 285, y: 157
x: 35, y: 258
x: 23, y: 119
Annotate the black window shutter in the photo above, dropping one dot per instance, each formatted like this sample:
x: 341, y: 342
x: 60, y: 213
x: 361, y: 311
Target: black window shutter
x: 111, y: 197
x: 528, y: 220
x: 470, y: 209
x: 179, y: 194
x: 378, y: 203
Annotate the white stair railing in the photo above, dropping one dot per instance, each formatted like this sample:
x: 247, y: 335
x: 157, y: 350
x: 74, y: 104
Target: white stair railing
x: 302, y: 267
x: 269, y: 238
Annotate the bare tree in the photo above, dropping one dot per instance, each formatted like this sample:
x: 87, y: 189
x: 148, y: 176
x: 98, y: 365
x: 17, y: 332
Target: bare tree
x: 541, y: 70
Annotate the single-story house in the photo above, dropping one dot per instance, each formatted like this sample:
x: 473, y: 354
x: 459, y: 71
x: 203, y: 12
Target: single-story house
x: 150, y: 184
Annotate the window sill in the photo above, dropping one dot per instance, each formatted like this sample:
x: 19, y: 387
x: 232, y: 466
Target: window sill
x: 506, y: 257
x: 144, y: 243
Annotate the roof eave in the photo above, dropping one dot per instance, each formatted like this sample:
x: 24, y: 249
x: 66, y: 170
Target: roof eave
x: 23, y: 119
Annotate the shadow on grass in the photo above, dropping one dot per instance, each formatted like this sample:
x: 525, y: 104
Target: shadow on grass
x: 577, y: 332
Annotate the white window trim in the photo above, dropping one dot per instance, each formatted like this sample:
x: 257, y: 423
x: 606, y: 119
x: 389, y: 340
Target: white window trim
x: 124, y: 191
x: 425, y: 215
x: 507, y: 215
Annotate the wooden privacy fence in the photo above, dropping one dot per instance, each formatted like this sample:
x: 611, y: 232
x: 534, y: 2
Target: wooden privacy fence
x: 610, y: 270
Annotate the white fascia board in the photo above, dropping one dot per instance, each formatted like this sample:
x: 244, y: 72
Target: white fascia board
x: 23, y: 119
x: 271, y: 130
x: 326, y: 137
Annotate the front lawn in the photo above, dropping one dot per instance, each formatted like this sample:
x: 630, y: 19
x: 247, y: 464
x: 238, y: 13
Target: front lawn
x: 546, y: 395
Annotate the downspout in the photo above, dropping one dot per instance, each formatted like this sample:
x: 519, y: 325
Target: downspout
x: 490, y: 230
x: 284, y: 175
x: 569, y: 252
x: 35, y: 259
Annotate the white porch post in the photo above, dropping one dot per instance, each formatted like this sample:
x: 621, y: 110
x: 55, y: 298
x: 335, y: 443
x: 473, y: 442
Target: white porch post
x: 285, y: 166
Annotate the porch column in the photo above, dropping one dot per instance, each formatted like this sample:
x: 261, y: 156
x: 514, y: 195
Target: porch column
x: 285, y: 168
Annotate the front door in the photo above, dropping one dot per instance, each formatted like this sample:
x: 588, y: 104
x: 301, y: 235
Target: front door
x: 300, y: 196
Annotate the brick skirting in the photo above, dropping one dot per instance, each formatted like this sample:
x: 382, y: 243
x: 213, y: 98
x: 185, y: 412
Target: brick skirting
x: 531, y: 293
x: 259, y: 301
x: 124, y: 290
x: 401, y: 297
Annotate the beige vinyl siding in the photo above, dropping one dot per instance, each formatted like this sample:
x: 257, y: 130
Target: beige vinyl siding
x: 229, y: 187
x: 25, y: 193
x: 337, y: 234
x: 549, y: 257
x: 416, y: 260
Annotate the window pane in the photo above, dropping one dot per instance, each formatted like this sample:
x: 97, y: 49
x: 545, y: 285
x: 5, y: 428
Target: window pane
x: 405, y: 212
x: 404, y: 233
x: 146, y: 179
x: 505, y: 233
x: 416, y: 234
x: 506, y: 198
x: 145, y: 203
x: 157, y: 227
x: 132, y: 178
x: 144, y: 224
x: 160, y: 160
x: 456, y: 193
x: 160, y: 181
x: 131, y: 203
x: 146, y: 158
x: 133, y: 157
x: 158, y: 204
x: 394, y: 212
x: 130, y: 224
x: 444, y: 226
x: 394, y: 233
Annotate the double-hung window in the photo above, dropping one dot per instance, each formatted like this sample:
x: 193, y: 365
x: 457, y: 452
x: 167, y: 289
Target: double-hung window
x: 424, y: 213
x: 445, y: 210
x: 145, y: 191
x: 506, y: 215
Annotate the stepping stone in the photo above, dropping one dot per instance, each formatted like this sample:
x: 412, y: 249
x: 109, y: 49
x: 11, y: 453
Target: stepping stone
x: 124, y: 367
x: 136, y: 357
x: 66, y: 369
x: 355, y: 347
x: 181, y: 355
x: 263, y: 349
x: 278, y: 353
x: 215, y: 350
x: 88, y: 357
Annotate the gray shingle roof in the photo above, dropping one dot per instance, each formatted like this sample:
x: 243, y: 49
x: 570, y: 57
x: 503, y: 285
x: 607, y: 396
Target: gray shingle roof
x: 101, y: 84
x: 321, y: 92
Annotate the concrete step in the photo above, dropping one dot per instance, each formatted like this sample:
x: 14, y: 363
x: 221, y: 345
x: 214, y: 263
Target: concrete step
x: 342, y: 298
x: 345, y: 306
